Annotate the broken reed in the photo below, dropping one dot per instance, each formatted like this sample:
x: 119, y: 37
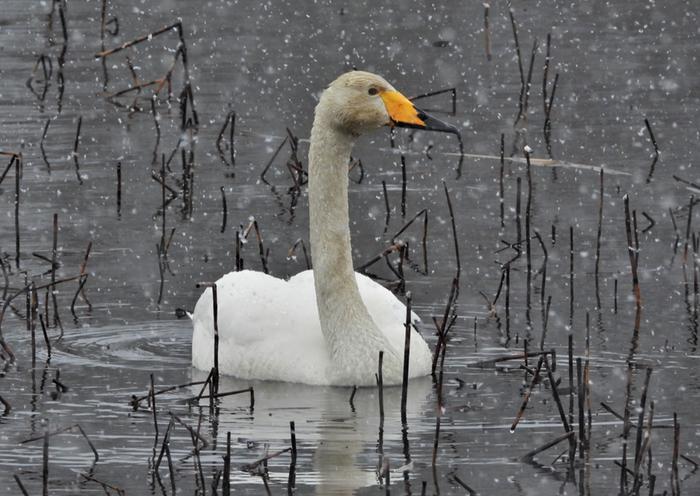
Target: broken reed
x: 230, y: 124
x: 656, y: 150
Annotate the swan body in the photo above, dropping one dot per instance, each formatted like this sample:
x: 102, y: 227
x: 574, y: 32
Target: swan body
x: 325, y: 326
x: 278, y: 330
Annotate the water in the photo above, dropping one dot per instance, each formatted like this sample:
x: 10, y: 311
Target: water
x: 618, y: 63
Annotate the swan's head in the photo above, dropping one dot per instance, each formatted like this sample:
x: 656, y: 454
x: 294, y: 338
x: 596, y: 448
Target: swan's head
x: 358, y: 102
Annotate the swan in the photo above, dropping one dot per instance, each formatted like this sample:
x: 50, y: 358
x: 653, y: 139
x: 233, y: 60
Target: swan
x: 323, y: 326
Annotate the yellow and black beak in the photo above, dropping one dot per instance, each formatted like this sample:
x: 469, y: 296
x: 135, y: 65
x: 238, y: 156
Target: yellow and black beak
x: 403, y: 113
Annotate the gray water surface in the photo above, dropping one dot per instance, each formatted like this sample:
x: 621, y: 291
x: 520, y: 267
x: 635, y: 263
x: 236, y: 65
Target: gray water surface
x: 618, y: 63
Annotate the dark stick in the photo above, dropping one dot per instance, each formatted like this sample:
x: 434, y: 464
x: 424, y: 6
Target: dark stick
x: 226, y: 485
x: 239, y: 262
x: 380, y: 386
x: 6, y: 405
x: 21, y: 486
x: 516, y: 356
x: 436, y: 440
x: 526, y: 397
x: 54, y: 252
x: 292, y: 251
x: 528, y: 247
x: 18, y: 175
x: 352, y: 398
x: 272, y: 159
x: 652, y: 222
x: 633, y: 253
x: 293, y: 434
x: 119, y: 189
x: 136, y: 401
x: 62, y: 56
x: 580, y: 394
x: 230, y: 123
x: 13, y: 158
x: 508, y: 302
x: 687, y: 228
x: 555, y: 395
x: 75, y: 150
x: 518, y: 218
x: 194, y: 433
x: 403, y: 186
x: 452, y: 91
x: 406, y: 358
x: 224, y: 209
x: 291, y: 479
x: 387, y: 476
x: 261, y: 248
x: 598, y: 237
x: 223, y: 395
x: 454, y: 230
x: 386, y: 206
x: 571, y: 380
x: 530, y: 455
x: 500, y: 181
x: 587, y: 381
x: 547, y: 129
x: 464, y: 485
x: 487, y: 32
x: 679, y: 179
x: 215, y: 375
x: 156, y: 123
x: 177, y: 26
x: 545, y: 75
x: 442, y: 330
x: 626, y: 425
x: 152, y: 402
x: 520, y: 63
x: 526, y: 92
x: 231, y: 133
x: 166, y: 440
x: 171, y: 470
x: 644, y: 449
x: 675, y: 481
x: 638, y: 451
x: 32, y: 324
x: 380, y: 392
x: 651, y: 135
x: 545, y: 309
x: 45, y: 464
x: 81, y: 286
x: 41, y: 144
x: 46, y: 337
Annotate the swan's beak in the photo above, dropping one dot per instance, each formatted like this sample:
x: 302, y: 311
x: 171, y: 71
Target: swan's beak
x: 403, y: 113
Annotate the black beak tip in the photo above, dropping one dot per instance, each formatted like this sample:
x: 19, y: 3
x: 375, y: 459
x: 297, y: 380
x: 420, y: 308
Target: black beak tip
x: 431, y: 124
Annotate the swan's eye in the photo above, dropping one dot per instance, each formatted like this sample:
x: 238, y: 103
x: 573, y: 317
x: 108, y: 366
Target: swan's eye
x: 373, y: 91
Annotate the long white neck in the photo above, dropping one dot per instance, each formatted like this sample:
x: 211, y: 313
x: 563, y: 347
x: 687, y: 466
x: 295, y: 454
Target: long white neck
x: 350, y: 332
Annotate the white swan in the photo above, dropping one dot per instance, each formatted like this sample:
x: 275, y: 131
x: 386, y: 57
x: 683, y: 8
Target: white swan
x: 326, y: 325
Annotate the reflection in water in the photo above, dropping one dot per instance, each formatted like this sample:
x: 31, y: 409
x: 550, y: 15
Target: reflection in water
x: 335, y: 438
